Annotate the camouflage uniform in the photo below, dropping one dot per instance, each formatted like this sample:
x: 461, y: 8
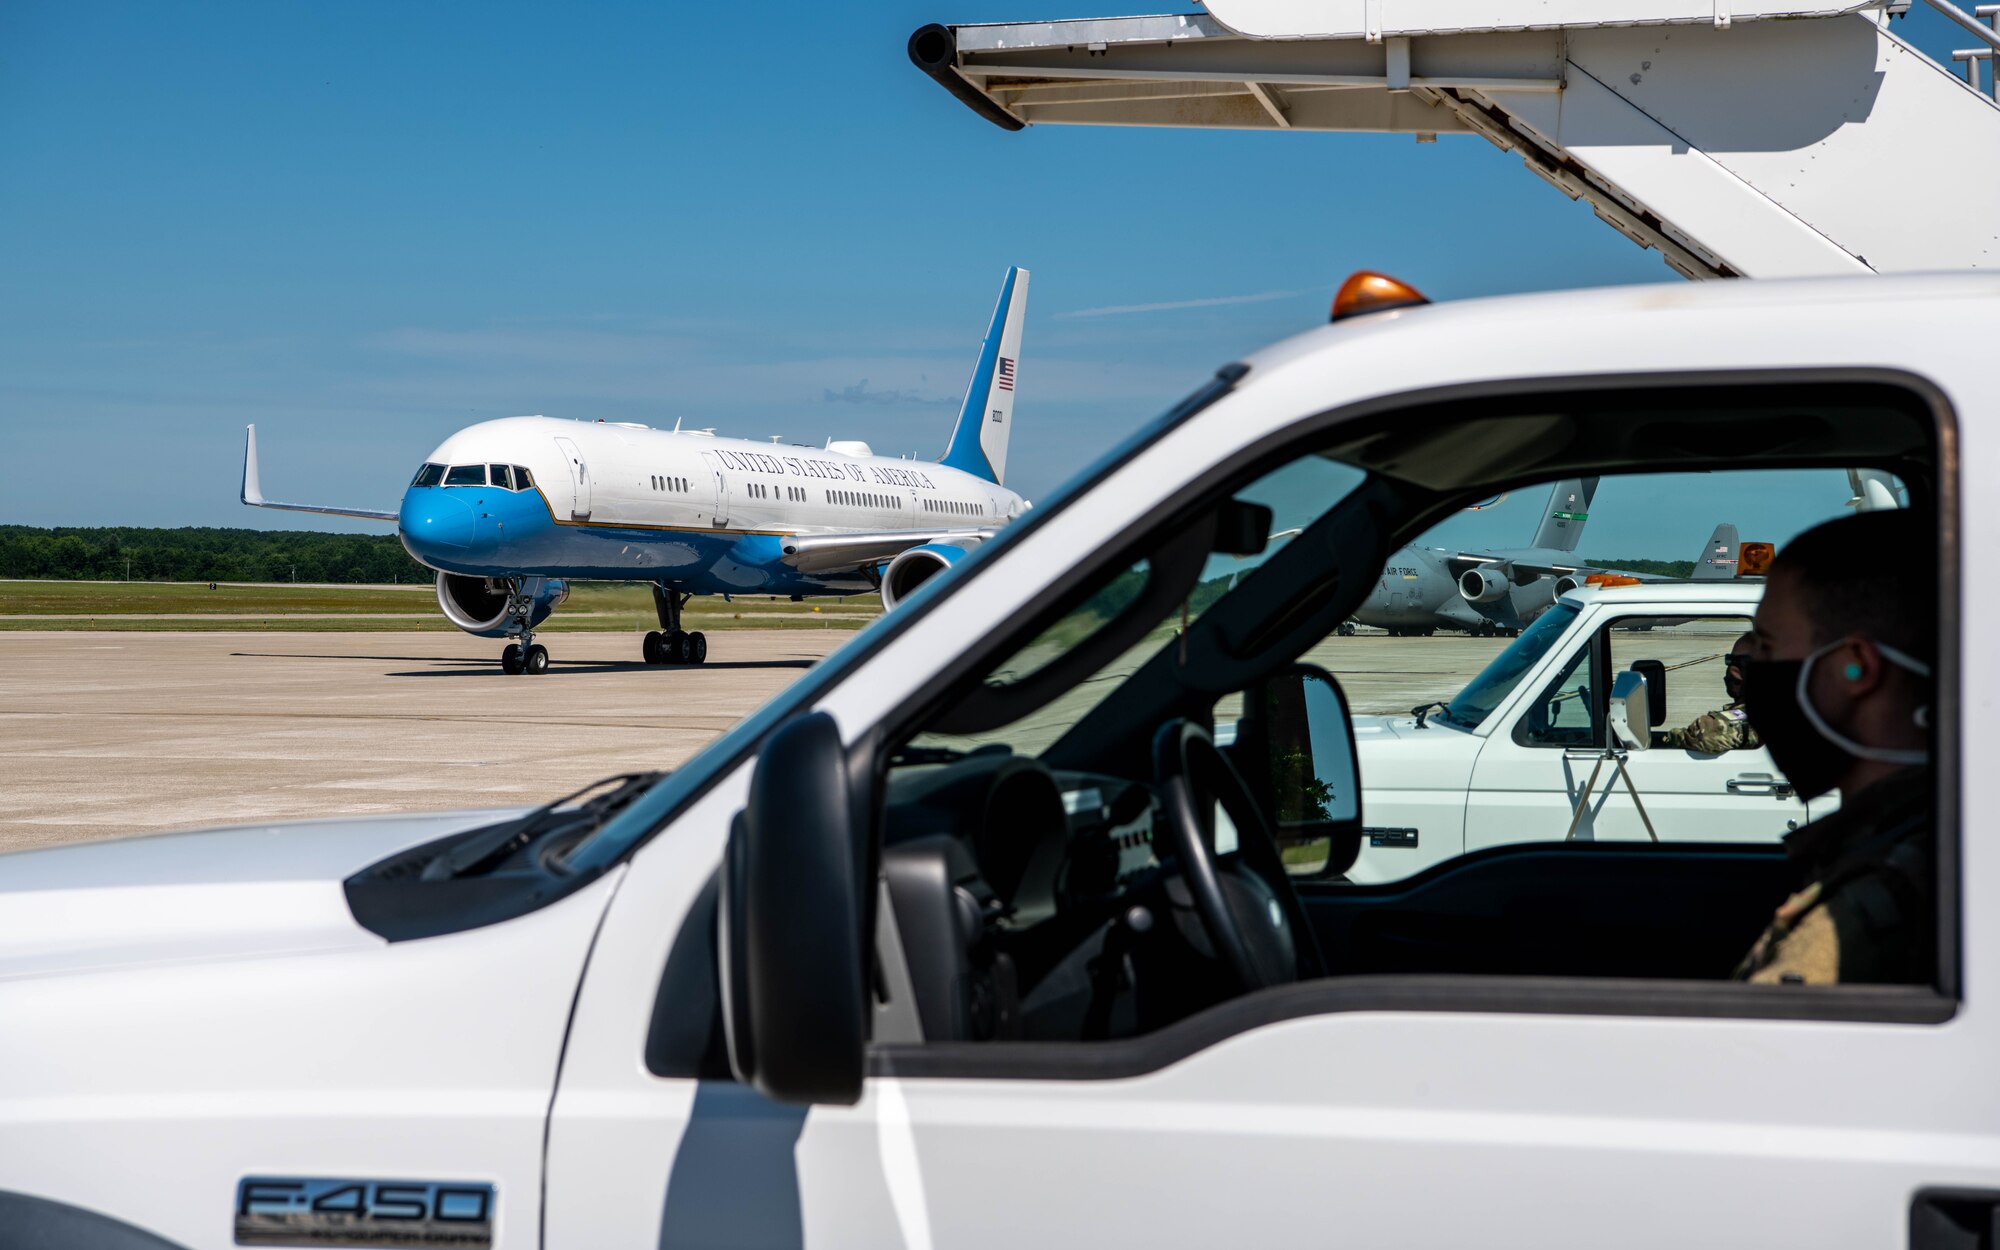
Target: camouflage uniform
x: 1867, y: 913
x: 1725, y: 729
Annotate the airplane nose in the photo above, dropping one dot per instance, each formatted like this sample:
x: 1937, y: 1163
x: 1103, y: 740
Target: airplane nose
x: 430, y: 517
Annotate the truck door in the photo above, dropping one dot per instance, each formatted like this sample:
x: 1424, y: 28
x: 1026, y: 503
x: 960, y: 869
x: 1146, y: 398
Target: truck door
x: 579, y: 480
x: 1534, y: 770
x: 1725, y: 796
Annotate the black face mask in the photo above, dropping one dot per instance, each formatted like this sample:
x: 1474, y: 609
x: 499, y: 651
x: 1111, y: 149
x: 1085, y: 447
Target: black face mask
x: 1770, y: 696
x: 1810, y: 752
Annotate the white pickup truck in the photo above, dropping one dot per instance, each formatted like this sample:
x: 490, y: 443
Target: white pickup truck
x: 1506, y: 759
x: 945, y: 946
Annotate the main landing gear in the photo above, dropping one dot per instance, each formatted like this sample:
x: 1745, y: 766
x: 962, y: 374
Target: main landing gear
x: 670, y: 644
x: 524, y: 654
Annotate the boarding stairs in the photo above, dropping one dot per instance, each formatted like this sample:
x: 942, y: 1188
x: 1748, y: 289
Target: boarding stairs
x: 1758, y: 138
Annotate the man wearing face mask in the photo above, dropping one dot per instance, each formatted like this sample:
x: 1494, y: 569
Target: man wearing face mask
x: 1727, y: 728
x: 1839, y: 686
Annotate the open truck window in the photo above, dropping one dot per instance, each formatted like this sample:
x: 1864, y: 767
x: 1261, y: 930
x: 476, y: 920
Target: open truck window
x: 1503, y: 831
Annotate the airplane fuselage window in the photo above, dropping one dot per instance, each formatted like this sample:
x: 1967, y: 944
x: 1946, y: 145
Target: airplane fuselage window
x: 429, y: 475
x: 466, y: 475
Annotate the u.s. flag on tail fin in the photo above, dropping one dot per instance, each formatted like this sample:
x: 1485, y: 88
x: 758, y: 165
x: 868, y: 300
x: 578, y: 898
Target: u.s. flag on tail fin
x: 979, y: 439
x: 1718, y: 558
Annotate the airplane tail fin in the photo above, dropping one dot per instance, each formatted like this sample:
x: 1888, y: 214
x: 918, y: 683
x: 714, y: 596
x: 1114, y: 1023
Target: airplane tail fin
x: 1569, y: 508
x: 979, y: 440
x: 1718, y: 558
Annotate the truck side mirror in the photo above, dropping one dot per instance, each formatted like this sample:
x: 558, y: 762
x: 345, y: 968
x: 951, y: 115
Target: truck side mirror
x: 1241, y: 529
x: 1655, y: 673
x: 795, y: 1002
x: 1631, y: 709
x: 1297, y: 740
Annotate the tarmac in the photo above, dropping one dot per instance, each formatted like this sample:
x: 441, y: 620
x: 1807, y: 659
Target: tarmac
x: 107, y: 735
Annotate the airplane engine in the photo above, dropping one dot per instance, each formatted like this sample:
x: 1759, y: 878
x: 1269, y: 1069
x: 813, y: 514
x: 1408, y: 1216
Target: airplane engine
x: 916, y: 566
x: 1482, y: 585
x: 1566, y: 583
x: 478, y: 605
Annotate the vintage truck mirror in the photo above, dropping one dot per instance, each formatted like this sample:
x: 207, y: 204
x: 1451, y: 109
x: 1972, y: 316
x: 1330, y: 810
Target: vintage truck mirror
x: 795, y: 1004
x: 1297, y: 739
x: 1631, y: 712
x: 1655, y: 673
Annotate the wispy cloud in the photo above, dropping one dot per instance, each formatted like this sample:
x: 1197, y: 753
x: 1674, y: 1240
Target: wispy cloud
x: 860, y: 394
x: 1119, y: 310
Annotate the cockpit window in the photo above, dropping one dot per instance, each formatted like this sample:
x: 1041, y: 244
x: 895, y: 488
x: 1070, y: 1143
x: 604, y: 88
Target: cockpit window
x: 521, y: 479
x: 501, y: 476
x: 466, y: 475
x: 429, y: 475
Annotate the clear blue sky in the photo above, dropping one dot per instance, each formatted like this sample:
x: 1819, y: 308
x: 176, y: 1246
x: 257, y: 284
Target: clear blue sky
x: 365, y: 225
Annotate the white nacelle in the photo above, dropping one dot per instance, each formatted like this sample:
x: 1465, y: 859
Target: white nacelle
x: 478, y: 605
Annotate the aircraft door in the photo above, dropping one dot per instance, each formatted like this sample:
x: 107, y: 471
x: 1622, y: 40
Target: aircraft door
x: 579, y: 480
x: 718, y: 485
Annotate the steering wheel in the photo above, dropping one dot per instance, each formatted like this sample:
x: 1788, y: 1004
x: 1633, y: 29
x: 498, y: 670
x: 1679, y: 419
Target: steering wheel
x: 1244, y: 900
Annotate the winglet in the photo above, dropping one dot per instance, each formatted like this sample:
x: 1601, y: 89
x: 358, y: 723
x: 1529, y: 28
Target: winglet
x: 1718, y: 558
x: 979, y: 438
x: 253, y: 490
x: 253, y: 493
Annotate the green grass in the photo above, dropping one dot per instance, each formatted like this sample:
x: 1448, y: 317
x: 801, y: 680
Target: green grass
x: 154, y: 597
x: 153, y: 606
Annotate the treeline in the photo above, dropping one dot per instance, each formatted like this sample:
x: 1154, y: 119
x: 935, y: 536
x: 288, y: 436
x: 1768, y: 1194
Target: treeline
x: 204, y: 555
x: 1651, y: 568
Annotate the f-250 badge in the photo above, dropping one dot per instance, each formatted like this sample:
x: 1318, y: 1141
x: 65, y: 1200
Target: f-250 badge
x: 317, y: 1211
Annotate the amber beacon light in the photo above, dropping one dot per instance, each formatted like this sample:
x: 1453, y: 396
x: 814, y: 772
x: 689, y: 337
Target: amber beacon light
x: 1370, y: 292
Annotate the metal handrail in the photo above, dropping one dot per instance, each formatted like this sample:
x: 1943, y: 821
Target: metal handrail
x: 1971, y: 23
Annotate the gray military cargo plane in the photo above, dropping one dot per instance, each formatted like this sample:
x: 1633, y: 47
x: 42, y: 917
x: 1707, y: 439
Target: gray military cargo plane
x: 1499, y: 591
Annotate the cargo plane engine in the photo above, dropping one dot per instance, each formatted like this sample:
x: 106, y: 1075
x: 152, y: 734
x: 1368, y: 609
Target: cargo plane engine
x: 1482, y: 585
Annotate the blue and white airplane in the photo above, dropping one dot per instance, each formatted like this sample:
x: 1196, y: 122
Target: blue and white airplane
x: 509, y: 512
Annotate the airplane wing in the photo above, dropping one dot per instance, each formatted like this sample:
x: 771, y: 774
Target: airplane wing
x: 1469, y: 559
x: 837, y: 553
x: 253, y: 493
x: 1716, y: 562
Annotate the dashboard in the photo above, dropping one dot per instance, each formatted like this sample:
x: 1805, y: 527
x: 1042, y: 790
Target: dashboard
x: 1004, y: 882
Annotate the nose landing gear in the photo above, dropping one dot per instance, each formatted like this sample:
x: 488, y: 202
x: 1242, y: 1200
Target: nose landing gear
x: 524, y: 654
x: 670, y: 644
x: 515, y: 660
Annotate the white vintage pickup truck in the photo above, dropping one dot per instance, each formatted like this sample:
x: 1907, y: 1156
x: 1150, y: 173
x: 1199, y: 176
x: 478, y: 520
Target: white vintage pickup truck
x: 1506, y: 759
